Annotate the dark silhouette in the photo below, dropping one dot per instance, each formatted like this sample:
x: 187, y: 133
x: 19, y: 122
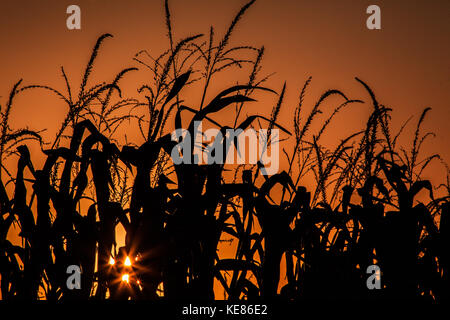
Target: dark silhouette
x: 175, y: 216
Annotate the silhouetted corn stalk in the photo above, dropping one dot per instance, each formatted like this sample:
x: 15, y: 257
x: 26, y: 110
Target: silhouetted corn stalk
x: 176, y: 215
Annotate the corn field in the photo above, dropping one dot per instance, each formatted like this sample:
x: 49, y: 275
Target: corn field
x: 369, y: 205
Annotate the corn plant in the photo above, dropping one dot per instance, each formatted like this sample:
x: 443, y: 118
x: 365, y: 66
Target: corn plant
x: 363, y: 209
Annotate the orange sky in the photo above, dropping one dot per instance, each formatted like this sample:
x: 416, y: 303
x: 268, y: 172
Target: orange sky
x: 406, y: 62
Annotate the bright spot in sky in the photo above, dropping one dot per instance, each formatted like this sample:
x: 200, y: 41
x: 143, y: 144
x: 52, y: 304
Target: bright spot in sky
x: 128, y: 262
x: 126, y: 277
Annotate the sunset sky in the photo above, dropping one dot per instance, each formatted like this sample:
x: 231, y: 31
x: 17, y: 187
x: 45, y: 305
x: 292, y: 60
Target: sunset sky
x: 406, y: 63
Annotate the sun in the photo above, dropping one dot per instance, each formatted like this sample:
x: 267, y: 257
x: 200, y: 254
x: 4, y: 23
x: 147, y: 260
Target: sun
x: 126, y: 278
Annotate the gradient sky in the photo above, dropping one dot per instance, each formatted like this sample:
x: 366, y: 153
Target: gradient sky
x: 406, y: 62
